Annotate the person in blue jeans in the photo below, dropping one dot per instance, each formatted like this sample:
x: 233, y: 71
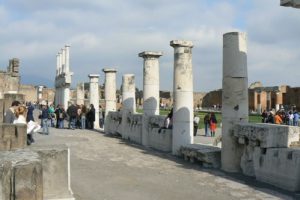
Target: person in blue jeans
x: 44, y: 118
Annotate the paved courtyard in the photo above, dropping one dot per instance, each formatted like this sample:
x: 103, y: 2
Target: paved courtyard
x: 109, y: 168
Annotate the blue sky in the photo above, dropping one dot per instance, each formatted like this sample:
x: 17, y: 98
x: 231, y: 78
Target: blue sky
x: 112, y: 33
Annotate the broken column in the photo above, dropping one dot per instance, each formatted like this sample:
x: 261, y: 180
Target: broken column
x: 80, y: 94
x: 128, y: 102
x: 94, y: 96
x: 150, y: 89
x: 183, y: 95
x: 234, y: 97
x: 110, y: 90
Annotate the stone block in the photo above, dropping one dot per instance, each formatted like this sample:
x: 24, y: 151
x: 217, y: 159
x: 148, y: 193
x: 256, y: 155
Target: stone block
x: 113, y: 123
x: 13, y: 136
x: 279, y: 167
x: 267, y: 135
x: 56, y: 171
x: 160, y: 139
x: 210, y: 156
x: 132, y: 128
x: 21, y: 175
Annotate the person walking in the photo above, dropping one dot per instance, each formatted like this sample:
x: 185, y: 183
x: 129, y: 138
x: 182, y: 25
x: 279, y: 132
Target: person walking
x: 91, y: 117
x: 83, y: 116
x: 44, y: 119
x: 206, y: 124
x: 72, y: 113
x: 296, y: 118
x: 213, y: 124
x: 196, y: 124
x: 101, y: 118
x: 60, y: 116
x: 30, y: 110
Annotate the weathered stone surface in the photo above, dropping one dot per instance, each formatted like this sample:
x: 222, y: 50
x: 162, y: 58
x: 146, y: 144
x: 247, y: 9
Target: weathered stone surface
x: 278, y: 166
x: 267, y: 135
x: 132, y: 128
x: 113, y: 123
x: 56, y: 171
x: 110, y: 90
x: 12, y: 136
x: 1, y: 110
x: 94, y: 96
x: 210, y: 156
x: 21, y: 175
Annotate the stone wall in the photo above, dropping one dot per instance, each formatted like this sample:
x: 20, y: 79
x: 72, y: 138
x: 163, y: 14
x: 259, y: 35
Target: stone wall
x: 29, y: 91
x: 10, y: 79
x: 12, y: 136
x: 267, y: 154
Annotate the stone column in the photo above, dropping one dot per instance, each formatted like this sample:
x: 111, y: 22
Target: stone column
x: 150, y: 89
x: 235, y: 103
x: 57, y: 64
x: 277, y: 103
x: 269, y: 107
x: 80, y: 94
x: 63, y: 60
x: 94, y: 96
x: 259, y: 102
x: 110, y: 90
x: 66, y: 97
x: 67, y: 59
x: 183, y: 95
x: 129, y: 105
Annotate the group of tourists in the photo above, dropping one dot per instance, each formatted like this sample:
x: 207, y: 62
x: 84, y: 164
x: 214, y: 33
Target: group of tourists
x: 22, y: 114
x: 281, y: 117
x: 77, y: 116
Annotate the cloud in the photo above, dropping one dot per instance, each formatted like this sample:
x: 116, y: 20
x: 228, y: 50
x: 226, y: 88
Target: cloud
x: 112, y: 33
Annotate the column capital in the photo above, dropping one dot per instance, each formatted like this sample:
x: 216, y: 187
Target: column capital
x: 109, y: 70
x: 181, y: 43
x: 67, y: 45
x: 94, y: 75
x: 150, y: 54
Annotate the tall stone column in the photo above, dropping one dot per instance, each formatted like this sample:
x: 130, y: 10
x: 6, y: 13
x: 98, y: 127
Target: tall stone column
x: 80, y: 94
x: 269, y: 107
x: 63, y: 60
x: 128, y: 95
x: 150, y: 89
x: 94, y: 96
x: 183, y: 95
x: 57, y: 64
x: 67, y: 59
x: 110, y: 90
x: 277, y: 103
x: 259, y: 102
x: 235, y: 103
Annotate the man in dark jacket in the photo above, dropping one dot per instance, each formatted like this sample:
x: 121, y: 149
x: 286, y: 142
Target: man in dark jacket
x: 72, y: 113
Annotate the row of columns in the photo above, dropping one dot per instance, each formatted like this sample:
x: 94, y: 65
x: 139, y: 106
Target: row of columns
x: 268, y: 101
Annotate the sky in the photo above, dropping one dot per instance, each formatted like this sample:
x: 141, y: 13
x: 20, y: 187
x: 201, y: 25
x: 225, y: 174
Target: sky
x: 111, y: 33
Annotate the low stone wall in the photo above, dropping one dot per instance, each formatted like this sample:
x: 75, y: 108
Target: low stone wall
x: 21, y: 175
x: 159, y: 137
x: 12, y: 136
x: 278, y: 166
x: 267, y: 154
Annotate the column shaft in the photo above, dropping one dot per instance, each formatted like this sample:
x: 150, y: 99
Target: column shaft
x: 94, y: 96
x: 150, y: 90
x: 234, y: 96
x: 67, y: 59
x: 80, y: 94
x: 110, y: 90
x: 183, y: 95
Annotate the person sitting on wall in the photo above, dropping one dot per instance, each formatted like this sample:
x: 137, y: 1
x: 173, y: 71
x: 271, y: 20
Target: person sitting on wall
x: 9, y: 115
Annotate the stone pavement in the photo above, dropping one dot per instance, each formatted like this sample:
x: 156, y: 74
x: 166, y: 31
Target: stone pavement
x: 109, y: 168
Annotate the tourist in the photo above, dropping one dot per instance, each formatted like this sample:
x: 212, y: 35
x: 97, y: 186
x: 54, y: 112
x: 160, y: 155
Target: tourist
x: 206, y: 123
x: 44, y: 119
x: 196, y: 124
x: 101, y: 118
x: 213, y: 124
x: 30, y: 110
x: 270, y: 118
x: 72, y: 113
x: 291, y: 118
x: 296, y: 118
x: 264, y: 116
x: 169, y: 120
x: 9, y: 115
x: 91, y: 117
x: 51, y: 114
x: 78, y: 118
x: 83, y: 116
x: 60, y: 116
x: 277, y: 118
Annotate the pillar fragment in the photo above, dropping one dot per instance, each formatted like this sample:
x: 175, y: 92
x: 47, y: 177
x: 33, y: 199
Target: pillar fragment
x: 234, y: 97
x: 183, y: 95
x: 110, y: 90
x: 150, y: 89
x: 94, y: 96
